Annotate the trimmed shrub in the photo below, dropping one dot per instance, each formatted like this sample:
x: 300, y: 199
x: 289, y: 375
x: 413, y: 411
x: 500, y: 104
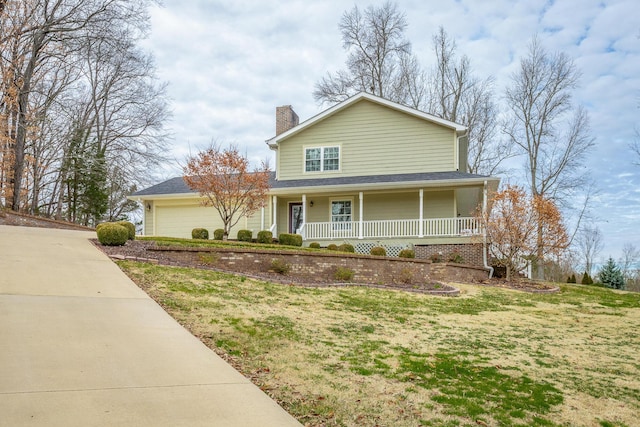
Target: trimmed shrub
x: 346, y: 247
x: 265, y: 236
x: 332, y: 247
x: 245, y: 235
x: 279, y: 266
x: 112, y: 234
x: 102, y: 224
x: 343, y: 274
x: 218, y: 234
x: 378, y: 251
x: 131, y: 229
x: 456, y: 258
x: 407, y: 253
x: 314, y: 245
x: 290, y: 239
x: 200, y: 233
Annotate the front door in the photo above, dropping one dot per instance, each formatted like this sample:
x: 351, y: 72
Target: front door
x: 295, y: 217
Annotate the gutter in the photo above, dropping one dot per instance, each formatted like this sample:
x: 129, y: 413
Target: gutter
x: 484, y: 233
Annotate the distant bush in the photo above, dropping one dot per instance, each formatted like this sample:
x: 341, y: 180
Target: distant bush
x: 346, y: 247
x: 378, y: 251
x: 265, y: 236
x: 571, y: 279
x: 332, y: 247
x: 218, y: 234
x: 112, y: 234
x: 200, y: 233
x: 245, y: 235
x: 586, y: 279
x: 131, y: 229
x: 279, y: 266
x: 407, y: 253
x: 314, y: 245
x: 290, y: 239
x: 343, y: 274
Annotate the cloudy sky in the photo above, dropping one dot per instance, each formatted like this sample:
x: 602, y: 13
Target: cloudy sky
x: 230, y: 63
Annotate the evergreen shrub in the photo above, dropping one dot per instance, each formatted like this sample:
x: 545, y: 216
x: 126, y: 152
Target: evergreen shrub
x: 407, y: 253
x: 343, y: 274
x: 218, y: 234
x: 131, y: 229
x: 112, y: 234
x: 332, y: 247
x: 378, y: 251
x: 245, y: 235
x: 346, y: 247
x: 200, y: 233
x: 265, y: 236
x: 314, y: 245
x: 290, y: 239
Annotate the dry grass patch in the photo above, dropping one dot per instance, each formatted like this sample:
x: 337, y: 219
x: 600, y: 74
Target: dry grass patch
x: 366, y: 357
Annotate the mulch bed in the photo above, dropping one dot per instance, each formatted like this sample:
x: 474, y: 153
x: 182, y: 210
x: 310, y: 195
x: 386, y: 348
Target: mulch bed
x: 141, y: 250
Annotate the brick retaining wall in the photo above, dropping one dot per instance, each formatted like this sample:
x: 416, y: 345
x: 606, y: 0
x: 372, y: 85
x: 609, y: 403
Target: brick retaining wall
x: 321, y: 267
x: 470, y: 252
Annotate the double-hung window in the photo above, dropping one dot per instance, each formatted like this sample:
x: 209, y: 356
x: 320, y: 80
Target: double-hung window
x: 341, y: 215
x: 321, y: 159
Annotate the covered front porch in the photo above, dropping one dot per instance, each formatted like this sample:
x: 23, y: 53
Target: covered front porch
x: 409, y: 215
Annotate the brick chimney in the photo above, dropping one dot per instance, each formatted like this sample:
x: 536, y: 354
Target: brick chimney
x: 286, y: 119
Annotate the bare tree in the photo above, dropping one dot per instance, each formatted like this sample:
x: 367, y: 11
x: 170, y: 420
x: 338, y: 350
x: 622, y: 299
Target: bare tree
x: 630, y: 262
x: 223, y: 179
x: 545, y: 127
x: 456, y: 94
x: 590, y: 244
x: 378, y: 55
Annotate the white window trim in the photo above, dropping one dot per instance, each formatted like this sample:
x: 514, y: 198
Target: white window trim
x: 340, y: 199
x: 322, y: 148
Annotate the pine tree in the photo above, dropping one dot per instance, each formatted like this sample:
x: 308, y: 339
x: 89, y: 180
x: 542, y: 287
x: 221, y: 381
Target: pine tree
x: 611, y: 275
x: 586, y: 279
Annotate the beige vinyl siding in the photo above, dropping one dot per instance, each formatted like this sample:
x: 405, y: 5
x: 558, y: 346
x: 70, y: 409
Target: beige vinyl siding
x: 179, y: 218
x: 148, y: 218
x: 440, y: 204
x: 389, y: 206
x: 468, y: 200
x: 373, y: 140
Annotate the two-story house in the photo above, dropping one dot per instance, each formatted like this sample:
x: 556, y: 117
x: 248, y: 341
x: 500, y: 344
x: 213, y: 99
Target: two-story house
x: 366, y: 171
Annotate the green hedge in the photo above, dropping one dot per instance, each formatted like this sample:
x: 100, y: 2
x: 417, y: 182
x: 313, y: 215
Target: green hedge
x: 332, y: 247
x: 378, y: 251
x: 265, y: 236
x: 346, y: 247
x: 112, y: 234
x: 314, y: 245
x: 290, y: 239
x: 200, y: 233
x: 245, y: 235
x: 407, y: 253
x: 131, y: 229
x: 218, y: 234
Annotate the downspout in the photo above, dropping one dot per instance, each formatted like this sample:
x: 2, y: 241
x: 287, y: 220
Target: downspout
x: 484, y: 232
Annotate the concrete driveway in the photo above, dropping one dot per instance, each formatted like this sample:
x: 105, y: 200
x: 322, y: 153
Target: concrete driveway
x: 82, y: 345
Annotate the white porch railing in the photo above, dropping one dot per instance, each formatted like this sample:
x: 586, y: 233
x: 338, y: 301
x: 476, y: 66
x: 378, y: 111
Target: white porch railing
x: 432, y: 227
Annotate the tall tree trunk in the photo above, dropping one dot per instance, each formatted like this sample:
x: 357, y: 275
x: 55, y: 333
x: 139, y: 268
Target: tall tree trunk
x: 21, y: 132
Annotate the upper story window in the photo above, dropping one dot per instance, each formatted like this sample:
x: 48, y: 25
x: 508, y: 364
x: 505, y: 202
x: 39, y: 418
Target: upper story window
x: 321, y: 159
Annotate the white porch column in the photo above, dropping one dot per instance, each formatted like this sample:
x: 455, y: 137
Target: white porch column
x: 262, y: 218
x: 421, y: 222
x: 304, y: 209
x: 360, y: 221
x: 274, y: 211
x: 144, y: 214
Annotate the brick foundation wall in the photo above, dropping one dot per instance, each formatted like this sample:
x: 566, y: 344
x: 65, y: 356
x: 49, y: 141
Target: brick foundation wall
x: 321, y: 267
x: 470, y: 252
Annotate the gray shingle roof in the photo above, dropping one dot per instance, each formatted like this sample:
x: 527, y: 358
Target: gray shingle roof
x: 178, y: 186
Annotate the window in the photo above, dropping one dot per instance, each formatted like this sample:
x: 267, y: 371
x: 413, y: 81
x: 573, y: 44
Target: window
x: 322, y: 159
x: 341, y: 214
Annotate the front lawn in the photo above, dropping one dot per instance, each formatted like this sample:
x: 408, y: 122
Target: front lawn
x: 367, y: 357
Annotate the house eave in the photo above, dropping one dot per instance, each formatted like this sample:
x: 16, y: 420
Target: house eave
x: 273, y: 142
x: 393, y: 186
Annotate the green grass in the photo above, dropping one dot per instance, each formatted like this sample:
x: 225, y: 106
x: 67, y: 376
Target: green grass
x: 364, y: 357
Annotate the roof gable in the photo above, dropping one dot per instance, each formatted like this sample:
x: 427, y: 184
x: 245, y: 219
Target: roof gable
x: 273, y: 142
